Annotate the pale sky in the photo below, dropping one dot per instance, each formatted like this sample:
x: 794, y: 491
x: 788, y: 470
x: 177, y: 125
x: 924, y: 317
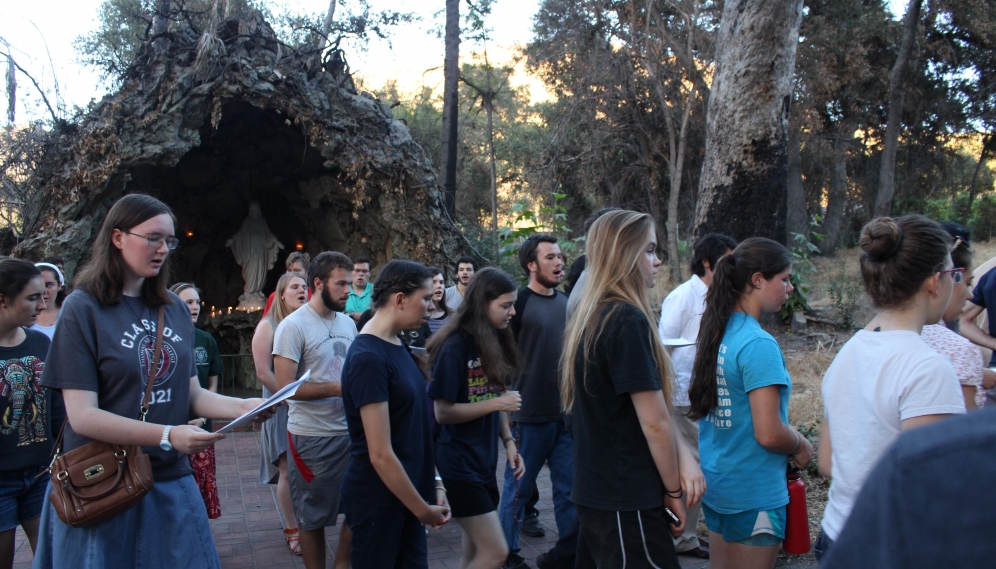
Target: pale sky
x: 31, y: 25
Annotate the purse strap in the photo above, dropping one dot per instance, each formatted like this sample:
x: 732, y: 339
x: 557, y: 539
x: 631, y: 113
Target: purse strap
x: 155, y: 366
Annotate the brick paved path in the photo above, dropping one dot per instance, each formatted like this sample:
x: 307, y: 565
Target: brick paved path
x: 249, y: 533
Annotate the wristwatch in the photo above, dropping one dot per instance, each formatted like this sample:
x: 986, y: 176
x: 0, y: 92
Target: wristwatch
x: 164, y: 443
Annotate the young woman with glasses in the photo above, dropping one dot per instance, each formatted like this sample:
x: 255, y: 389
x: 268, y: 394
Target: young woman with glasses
x: 101, y: 358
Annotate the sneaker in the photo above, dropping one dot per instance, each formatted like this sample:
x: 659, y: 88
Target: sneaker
x: 532, y: 527
x: 515, y: 561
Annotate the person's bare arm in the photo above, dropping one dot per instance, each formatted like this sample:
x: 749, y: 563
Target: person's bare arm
x: 377, y: 428
x: 450, y: 413
x: 511, y: 448
x: 208, y: 404
x: 285, y: 371
x: 212, y: 383
x: 970, y: 330
x: 89, y: 420
x: 655, y: 422
x: 968, y: 391
x: 921, y: 421
x: 693, y: 482
x: 262, y: 355
x: 769, y: 430
x: 988, y: 378
x: 825, y: 461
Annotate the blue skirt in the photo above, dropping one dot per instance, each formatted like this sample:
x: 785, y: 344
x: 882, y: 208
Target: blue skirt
x: 167, y: 530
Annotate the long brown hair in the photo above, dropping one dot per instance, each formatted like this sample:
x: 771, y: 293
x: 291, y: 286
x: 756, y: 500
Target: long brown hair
x: 616, y: 241
x: 499, y: 354
x: 103, y: 276
x: 279, y: 310
x: 729, y: 283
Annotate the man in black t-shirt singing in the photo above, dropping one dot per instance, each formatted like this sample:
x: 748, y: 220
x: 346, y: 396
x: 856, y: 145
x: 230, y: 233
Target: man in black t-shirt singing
x: 539, y: 323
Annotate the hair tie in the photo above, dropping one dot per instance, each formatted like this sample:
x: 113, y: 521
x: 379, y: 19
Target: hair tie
x: 899, y: 243
x: 58, y: 273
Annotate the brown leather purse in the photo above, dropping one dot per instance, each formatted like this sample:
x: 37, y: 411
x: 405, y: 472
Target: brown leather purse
x: 97, y: 481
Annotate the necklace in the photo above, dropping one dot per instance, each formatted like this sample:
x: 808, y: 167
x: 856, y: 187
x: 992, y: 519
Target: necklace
x: 319, y: 316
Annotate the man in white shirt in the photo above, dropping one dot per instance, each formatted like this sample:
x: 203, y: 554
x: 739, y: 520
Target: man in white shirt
x: 466, y: 267
x: 681, y: 314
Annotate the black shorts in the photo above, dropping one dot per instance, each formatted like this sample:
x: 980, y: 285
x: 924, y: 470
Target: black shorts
x: 635, y: 540
x: 469, y: 499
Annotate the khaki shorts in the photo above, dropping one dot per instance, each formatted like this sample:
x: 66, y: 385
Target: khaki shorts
x: 317, y: 466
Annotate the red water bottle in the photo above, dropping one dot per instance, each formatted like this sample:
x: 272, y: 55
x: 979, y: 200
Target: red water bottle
x: 797, y: 539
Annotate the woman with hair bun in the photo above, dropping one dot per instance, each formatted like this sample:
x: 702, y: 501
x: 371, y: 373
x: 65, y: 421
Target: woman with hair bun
x: 740, y: 388
x: 388, y: 492
x: 886, y: 379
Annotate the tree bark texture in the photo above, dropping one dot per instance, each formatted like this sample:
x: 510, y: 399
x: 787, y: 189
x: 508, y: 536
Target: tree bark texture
x: 451, y: 84
x: 742, y: 192
x: 160, y: 23
x: 897, y: 93
x: 837, y: 192
x: 797, y: 216
x: 327, y: 25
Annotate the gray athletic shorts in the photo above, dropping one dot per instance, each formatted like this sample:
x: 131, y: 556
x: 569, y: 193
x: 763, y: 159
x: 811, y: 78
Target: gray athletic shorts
x: 316, y: 468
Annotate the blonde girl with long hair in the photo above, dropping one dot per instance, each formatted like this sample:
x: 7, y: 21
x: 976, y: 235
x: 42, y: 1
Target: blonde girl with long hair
x: 616, y: 379
x: 291, y: 294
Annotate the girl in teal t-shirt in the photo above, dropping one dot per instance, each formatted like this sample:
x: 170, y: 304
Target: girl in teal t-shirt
x: 740, y: 389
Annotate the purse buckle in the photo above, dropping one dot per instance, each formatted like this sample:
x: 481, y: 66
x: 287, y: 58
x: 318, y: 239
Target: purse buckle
x: 93, y: 472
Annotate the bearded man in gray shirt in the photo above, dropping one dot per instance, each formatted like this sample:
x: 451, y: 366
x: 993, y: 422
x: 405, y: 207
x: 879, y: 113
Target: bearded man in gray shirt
x: 316, y: 337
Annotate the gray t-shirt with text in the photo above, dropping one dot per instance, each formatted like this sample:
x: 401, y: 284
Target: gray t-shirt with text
x: 109, y: 350
x: 318, y: 345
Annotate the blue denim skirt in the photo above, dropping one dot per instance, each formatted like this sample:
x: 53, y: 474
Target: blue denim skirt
x: 167, y: 530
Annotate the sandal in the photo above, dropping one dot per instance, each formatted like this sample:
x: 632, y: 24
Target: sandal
x: 293, y: 540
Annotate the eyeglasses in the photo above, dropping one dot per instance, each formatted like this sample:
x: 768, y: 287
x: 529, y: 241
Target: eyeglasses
x: 957, y: 274
x: 157, y: 242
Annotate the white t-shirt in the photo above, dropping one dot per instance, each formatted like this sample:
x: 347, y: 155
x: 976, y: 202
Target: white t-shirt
x: 453, y: 299
x: 681, y: 315
x: 878, y: 380
x: 47, y: 330
x: 319, y: 345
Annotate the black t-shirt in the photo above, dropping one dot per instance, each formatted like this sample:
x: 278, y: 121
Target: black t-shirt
x: 109, y: 350
x: 29, y: 412
x: 926, y: 504
x: 416, y: 338
x: 984, y: 295
x: 468, y: 451
x: 613, y: 467
x: 539, y: 325
x: 376, y: 371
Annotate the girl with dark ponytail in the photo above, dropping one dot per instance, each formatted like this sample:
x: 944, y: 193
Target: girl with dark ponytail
x: 740, y: 388
x: 886, y: 379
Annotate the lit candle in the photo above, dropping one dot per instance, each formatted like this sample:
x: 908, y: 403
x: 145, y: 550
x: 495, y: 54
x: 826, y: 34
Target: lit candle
x: 229, y: 309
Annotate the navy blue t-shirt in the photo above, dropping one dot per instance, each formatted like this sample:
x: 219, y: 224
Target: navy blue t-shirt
x: 467, y: 452
x: 984, y: 295
x: 376, y: 371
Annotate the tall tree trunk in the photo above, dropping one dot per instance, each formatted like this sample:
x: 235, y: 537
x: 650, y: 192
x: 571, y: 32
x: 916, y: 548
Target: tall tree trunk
x: 490, y: 108
x: 986, y: 142
x: 897, y: 94
x: 327, y: 25
x: 797, y: 215
x: 743, y: 188
x: 837, y: 193
x: 451, y: 80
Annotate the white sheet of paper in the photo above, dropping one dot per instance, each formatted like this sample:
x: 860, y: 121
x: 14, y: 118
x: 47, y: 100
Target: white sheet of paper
x: 677, y: 343
x: 288, y: 391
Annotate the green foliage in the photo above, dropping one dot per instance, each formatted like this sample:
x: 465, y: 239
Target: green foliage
x: 525, y: 221
x: 845, y: 296
x: 802, y: 269
x: 983, y: 220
